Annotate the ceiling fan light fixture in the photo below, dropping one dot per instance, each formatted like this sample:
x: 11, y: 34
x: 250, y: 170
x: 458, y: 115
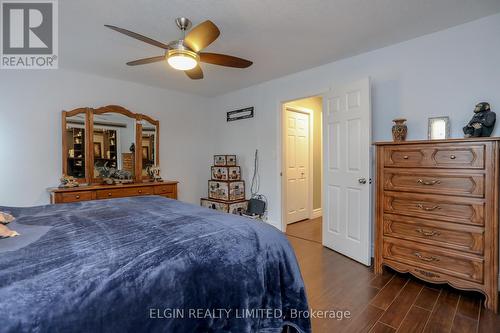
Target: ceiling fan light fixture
x: 182, y: 60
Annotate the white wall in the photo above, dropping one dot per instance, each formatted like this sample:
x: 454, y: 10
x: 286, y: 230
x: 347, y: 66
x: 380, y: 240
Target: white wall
x: 445, y: 73
x: 30, y: 129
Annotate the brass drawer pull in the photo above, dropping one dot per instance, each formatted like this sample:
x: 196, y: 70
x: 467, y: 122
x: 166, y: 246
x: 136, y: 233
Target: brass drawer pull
x: 428, y: 182
x: 428, y: 259
x: 109, y: 194
x: 405, y: 157
x: 428, y: 233
x: 453, y: 157
x: 428, y: 208
x: 78, y: 197
x: 140, y: 191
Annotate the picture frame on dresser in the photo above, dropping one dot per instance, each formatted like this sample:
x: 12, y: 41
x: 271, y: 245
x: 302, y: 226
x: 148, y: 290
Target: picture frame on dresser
x: 437, y: 212
x: 438, y: 128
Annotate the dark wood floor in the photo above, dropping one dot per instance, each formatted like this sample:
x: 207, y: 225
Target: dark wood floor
x: 390, y: 302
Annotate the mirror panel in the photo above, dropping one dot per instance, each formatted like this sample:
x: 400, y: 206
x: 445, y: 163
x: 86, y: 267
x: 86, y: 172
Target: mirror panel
x: 113, y: 143
x: 148, y: 149
x: 74, y: 153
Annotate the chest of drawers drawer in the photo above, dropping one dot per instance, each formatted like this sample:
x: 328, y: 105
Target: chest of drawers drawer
x: 443, y: 156
x: 445, y: 208
x: 436, y: 182
x: 450, y: 262
x: 124, y: 192
x: 164, y: 190
x: 75, y: 196
x: 438, y: 233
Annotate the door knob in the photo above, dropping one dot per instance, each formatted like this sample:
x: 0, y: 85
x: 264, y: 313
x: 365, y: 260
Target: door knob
x: 362, y: 180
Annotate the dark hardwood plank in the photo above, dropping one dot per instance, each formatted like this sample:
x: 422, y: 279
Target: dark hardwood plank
x: 379, y: 281
x: 414, y: 321
x: 365, y: 321
x: 382, y: 328
x: 427, y: 298
x: 489, y: 322
x: 389, y: 292
x: 463, y: 324
x: 469, y: 306
x: 396, y: 312
x: 441, y: 318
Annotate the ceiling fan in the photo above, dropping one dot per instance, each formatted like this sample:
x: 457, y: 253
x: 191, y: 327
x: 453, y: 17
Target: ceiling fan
x: 185, y: 53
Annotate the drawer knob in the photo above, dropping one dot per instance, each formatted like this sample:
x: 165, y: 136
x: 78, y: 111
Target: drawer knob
x: 453, y: 157
x: 428, y: 233
x: 78, y: 197
x: 428, y: 208
x: 405, y: 157
x: 427, y: 259
x: 140, y: 191
x: 428, y: 182
x: 109, y: 194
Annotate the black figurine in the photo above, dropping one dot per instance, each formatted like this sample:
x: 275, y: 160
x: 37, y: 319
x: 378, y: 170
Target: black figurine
x: 482, y: 123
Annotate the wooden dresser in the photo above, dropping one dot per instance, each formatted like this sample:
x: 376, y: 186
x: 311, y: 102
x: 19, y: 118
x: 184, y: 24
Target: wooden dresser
x: 437, y: 212
x: 97, y: 192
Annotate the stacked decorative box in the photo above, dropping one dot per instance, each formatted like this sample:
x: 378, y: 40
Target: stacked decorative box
x: 226, y: 190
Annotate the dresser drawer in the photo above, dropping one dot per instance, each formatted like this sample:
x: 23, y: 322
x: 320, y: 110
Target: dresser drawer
x: 446, y: 208
x: 449, y: 262
x: 438, y: 182
x: 450, y: 235
x: 164, y: 189
x: 74, y: 196
x: 124, y: 192
x: 441, y: 156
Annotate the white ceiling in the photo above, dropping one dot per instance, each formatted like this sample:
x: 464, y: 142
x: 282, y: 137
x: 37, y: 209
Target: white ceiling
x: 280, y: 36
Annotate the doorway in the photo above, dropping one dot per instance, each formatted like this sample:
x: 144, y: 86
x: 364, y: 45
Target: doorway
x: 302, y: 167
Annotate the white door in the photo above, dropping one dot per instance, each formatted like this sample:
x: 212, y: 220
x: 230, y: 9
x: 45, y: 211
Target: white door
x: 297, y: 165
x: 347, y: 170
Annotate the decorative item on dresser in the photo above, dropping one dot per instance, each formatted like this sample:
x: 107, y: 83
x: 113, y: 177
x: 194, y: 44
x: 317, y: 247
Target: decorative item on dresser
x: 226, y: 190
x: 437, y: 212
x: 95, y: 154
x: 399, y: 129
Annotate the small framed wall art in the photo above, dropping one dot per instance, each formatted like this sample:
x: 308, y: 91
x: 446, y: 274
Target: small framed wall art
x: 439, y: 128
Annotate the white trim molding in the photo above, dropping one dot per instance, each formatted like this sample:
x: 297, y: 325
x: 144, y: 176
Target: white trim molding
x: 317, y: 212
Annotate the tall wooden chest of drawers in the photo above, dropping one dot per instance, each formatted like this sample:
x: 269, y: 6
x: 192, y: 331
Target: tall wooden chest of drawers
x: 437, y: 212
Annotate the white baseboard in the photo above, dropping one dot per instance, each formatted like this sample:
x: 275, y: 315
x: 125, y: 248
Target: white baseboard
x: 318, y: 212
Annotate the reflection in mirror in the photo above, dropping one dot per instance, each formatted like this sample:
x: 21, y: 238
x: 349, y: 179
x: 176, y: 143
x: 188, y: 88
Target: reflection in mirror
x: 148, y: 153
x: 75, y: 143
x: 114, y: 144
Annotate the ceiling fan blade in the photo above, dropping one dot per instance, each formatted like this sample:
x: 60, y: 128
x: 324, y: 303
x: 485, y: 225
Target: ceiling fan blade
x: 145, y: 61
x: 201, y: 36
x: 224, y: 60
x: 139, y: 37
x: 195, y: 73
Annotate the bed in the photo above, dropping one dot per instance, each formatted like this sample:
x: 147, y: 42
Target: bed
x: 147, y: 264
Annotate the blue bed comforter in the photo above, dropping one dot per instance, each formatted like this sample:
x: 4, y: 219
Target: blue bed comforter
x: 149, y: 264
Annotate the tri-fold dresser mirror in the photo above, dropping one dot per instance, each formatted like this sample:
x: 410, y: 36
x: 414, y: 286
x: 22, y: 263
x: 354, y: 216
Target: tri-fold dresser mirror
x: 110, y: 137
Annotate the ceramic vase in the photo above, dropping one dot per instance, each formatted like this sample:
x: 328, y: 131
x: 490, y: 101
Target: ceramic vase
x: 399, y: 129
